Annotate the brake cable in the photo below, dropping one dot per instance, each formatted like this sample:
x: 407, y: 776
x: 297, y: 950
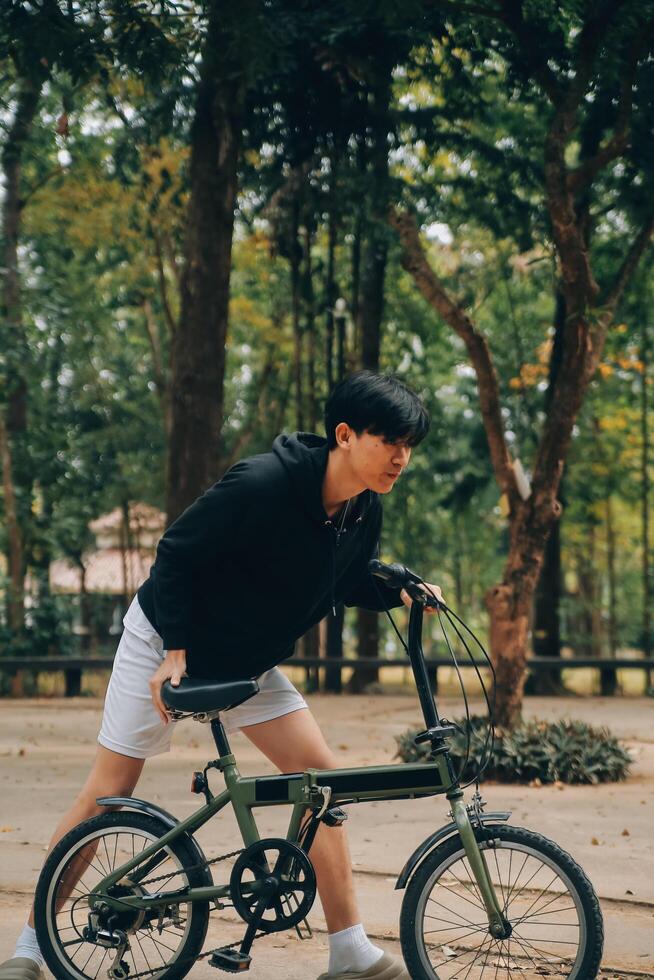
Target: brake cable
x: 485, y: 757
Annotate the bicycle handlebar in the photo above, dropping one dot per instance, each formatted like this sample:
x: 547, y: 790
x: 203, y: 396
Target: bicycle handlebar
x: 400, y: 577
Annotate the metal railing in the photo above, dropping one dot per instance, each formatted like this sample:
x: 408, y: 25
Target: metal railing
x: 74, y: 666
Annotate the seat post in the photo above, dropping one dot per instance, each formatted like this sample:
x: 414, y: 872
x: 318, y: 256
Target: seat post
x: 220, y: 737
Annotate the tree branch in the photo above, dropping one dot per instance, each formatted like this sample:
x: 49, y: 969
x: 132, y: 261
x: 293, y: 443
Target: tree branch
x: 56, y: 172
x: 512, y: 15
x: 415, y: 262
x: 611, y: 150
x: 615, y: 146
x: 163, y: 285
x: 629, y: 265
x: 590, y: 39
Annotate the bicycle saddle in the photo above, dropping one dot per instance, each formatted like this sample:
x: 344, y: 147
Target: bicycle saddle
x: 198, y: 695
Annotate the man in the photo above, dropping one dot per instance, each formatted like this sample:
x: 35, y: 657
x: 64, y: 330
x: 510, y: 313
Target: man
x: 261, y: 557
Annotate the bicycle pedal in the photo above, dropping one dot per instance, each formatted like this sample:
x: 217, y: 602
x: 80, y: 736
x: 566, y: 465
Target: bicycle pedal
x: 334, y: 816
x: 308, y: 933
x: 230, y: 960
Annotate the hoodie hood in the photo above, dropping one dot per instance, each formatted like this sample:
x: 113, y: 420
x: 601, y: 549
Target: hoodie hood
x: 304, y: 456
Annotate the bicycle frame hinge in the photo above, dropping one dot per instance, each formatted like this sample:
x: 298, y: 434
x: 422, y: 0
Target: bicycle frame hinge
x: 318, y: 796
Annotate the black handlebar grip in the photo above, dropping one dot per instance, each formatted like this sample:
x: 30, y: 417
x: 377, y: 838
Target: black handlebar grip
x: 395, y: 575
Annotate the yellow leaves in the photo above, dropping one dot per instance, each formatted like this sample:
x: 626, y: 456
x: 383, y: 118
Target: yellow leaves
x: 631, y: 364
x: 626, y: 362
x: 244, y: 310
x: 615, y: 423
x: 163, y: 165
x: 531, y: 374
x: 252, y: 157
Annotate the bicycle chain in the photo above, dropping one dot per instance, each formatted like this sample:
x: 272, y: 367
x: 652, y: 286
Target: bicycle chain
x: 203, y: 865
x: 193, y: 867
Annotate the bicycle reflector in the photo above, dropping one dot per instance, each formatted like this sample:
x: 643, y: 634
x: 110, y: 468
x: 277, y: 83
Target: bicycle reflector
x: 198, y: 782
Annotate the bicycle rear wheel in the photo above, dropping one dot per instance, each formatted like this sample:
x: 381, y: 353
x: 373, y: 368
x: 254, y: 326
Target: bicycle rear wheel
x: 553, y: 910
x: 161, y: 944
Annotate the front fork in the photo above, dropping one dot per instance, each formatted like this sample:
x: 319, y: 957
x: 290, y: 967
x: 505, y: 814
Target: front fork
x: 498, y: 925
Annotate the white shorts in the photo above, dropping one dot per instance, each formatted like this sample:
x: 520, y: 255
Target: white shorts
x: 131, y: 724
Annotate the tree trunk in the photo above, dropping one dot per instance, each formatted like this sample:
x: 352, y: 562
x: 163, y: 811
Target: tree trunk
x: 509, y: 625
x: 310, y: 320
x: 357, y: 243
x: 198, y: 348
x: 376, y: 248
x: 510, y: 605
x: 15, y: 608
x: 295, y: 260
x: 367, y: 647
x: 608, y: 678
x: 312, y: 638
x: 546, y: 622
x: 330, y: 281
x: 546, y: 631
x: 15, y: 463
x: 370, y: 318
x: 645, y: 490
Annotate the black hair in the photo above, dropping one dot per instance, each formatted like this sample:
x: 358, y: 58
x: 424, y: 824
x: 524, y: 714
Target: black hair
x: 377, y: 403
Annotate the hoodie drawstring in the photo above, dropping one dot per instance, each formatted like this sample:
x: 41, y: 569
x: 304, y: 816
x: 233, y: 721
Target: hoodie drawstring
x: 335, y: 539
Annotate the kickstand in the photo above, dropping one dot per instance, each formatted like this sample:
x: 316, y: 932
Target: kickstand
x: 308, y: 934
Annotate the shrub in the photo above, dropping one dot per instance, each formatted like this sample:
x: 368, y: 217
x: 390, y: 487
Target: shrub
x: 564, y: 751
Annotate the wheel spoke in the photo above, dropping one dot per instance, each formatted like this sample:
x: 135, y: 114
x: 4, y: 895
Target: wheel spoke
x: 450, y: 911
x: 96, y: 855
x: 532, y: 888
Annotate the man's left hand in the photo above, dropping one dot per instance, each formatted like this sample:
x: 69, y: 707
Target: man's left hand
x: 429, y: 589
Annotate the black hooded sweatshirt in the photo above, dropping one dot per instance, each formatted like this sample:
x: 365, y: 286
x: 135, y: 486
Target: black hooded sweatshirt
x: 255, y: 562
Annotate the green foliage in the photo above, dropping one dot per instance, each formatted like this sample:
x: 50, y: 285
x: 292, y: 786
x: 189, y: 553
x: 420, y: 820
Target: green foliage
x: 562, y: 751
x: 105, y: 184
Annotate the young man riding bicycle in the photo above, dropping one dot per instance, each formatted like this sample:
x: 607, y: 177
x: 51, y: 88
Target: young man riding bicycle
x: 262, y: 556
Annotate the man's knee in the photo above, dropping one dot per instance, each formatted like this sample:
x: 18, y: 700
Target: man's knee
x: 112, y: 775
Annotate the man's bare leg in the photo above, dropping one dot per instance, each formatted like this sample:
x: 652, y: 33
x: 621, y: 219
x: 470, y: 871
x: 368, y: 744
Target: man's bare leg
x: 112, y: 774
x: 293, y: 743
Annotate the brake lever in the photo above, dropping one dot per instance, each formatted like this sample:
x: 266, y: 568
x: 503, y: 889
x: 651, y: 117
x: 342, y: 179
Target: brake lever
x: 424, y: 598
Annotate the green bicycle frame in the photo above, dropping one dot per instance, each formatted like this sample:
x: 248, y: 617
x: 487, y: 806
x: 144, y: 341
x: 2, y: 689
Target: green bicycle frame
x: 316, y: 790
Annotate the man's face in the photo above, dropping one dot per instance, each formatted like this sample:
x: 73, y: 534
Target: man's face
x: 376, y: 461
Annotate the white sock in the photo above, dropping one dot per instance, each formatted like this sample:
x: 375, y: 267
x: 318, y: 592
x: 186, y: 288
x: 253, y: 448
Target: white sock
x: 27, y: 945
x: 350, y: 951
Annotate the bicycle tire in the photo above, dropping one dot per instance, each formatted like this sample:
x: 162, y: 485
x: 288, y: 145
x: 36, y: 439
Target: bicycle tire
x: 76, y: 845
x: 450, y: 854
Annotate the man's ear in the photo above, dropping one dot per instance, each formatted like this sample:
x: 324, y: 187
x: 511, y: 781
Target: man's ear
x: 343, y: 435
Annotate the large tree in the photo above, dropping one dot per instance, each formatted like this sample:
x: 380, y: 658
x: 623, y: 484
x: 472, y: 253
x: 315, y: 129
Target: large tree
x: 589, y: 72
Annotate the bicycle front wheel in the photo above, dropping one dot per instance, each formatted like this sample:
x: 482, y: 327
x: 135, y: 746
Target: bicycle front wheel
x: 161, y: 943
x: 554, y: 913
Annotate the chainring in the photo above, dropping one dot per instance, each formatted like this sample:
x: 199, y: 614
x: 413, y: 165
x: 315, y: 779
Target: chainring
x: 267, y: 878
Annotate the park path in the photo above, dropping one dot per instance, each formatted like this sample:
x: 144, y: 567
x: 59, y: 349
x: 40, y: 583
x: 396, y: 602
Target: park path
x: 46, y: 747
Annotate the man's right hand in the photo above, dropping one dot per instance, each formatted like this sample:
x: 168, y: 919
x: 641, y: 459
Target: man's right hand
x: 172, y: 668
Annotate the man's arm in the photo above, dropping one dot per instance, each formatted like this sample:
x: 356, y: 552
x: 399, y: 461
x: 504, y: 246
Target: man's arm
x: 369, y: 592
x: 374, y: 595
x: 212, y: 526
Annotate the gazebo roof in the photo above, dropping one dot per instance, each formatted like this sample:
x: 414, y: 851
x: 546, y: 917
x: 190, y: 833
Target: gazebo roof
x: 141, y: 517
x: 105, y: 572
